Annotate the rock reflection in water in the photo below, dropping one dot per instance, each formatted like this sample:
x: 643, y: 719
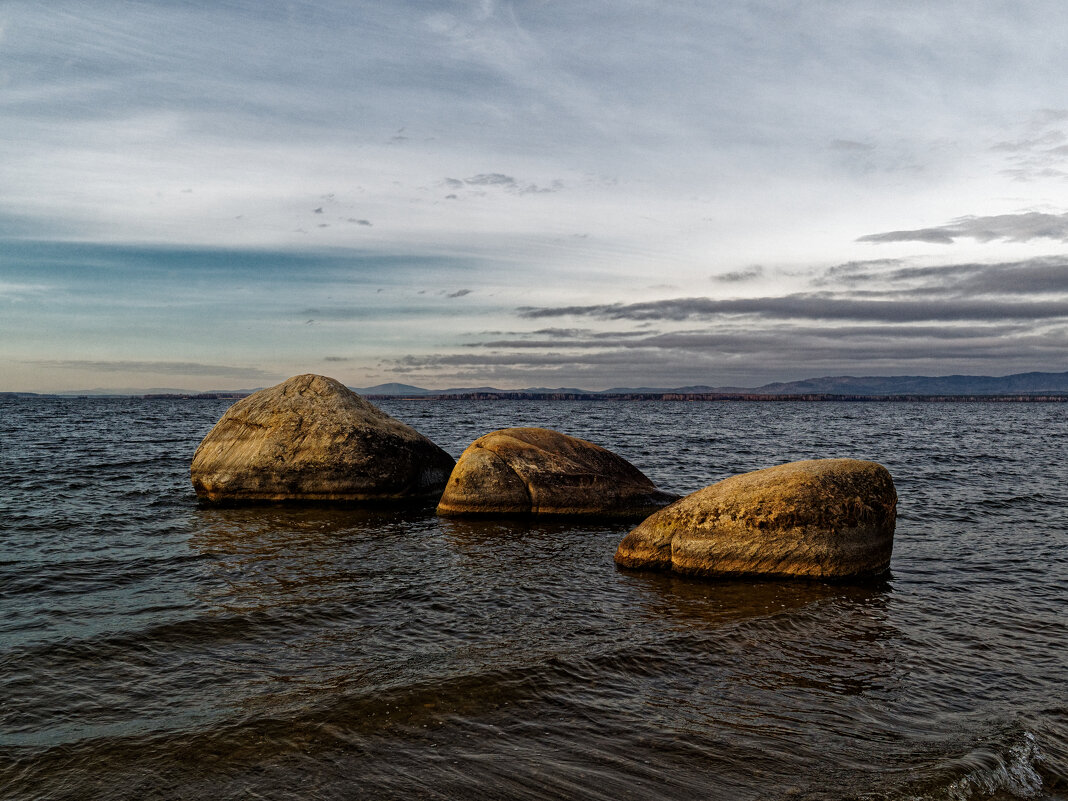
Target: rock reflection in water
x: 835, y: 637
x: 688, y: 600
x: 529, y: 540
x: 271, y: 556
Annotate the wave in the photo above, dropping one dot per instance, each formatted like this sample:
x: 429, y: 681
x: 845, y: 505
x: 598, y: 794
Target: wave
x: 1014, y: 771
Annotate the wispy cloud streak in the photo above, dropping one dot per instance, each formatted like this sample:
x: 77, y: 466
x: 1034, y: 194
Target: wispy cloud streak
x: 156, y: 368
x: 1007, y: 227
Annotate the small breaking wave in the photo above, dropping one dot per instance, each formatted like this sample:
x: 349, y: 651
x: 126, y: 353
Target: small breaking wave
x: 1014, y: 772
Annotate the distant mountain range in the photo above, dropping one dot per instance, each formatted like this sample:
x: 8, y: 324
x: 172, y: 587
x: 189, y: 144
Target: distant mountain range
x: 871, y: 386
x: 1016, y: 384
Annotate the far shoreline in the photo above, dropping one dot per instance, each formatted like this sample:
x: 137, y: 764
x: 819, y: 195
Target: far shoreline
x: 683, y: 397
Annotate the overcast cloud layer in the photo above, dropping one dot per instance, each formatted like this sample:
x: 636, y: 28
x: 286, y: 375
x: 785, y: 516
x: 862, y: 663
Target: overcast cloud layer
x: 217, y: 195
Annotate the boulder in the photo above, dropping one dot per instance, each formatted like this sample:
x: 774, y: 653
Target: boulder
x: 311, y: 439
x: 543, y: 472
x: 823, y: 518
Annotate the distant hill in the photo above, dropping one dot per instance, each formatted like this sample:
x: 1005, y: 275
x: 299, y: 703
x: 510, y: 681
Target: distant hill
x: 1016, y: 384
x: 409, y: 391
x: 392, y: 389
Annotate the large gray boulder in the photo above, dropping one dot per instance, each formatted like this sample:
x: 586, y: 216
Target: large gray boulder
x: 823, y: 518
x: 311, y: 439
x: 543, y: 472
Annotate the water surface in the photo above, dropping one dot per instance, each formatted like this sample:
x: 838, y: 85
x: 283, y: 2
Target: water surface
x: 153, y: 649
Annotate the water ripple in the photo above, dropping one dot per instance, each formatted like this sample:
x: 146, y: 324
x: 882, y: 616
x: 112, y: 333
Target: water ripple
x: 149, y: 648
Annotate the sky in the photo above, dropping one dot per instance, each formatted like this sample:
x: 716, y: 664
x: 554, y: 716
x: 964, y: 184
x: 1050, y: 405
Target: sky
x: 612, y: 193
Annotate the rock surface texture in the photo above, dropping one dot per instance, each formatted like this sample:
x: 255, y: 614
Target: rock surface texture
x: 543, y: 472
x: 824, y: 518
x: 311, y: 439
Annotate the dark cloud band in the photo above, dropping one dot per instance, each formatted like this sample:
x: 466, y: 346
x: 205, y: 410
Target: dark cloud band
x: 811, y: 307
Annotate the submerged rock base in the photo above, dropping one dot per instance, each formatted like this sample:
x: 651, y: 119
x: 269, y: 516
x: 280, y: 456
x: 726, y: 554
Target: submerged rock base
x: 823, y: 518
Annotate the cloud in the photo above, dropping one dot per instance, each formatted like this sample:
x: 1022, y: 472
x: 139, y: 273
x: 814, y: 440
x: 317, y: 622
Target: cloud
x: 748, y: 358
x: 156, y: 367
x: 490, y: 179
x: 935, y: 236
x: 1045, y: 116
x: 728, y: 338
x: 1038, y: 276
x: 738, y: 276
x: 863, y: 310
x: 14, y: 290
x: 850, y: 270
x: 502, y: 181
x: 1007, y: 227
x: 1039, y: 151
x: 563, y: 338
x: 851, y: 145
x: 563, y: 333
x: 881, y: 314
x: 810, y: 306
x: 459, y: 293
x: 336, y: 359
x: 1045, y: 140
x: 763, y: 345
x: 551, y: 121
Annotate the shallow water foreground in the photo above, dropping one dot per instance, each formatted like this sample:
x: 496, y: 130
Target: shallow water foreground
x: 153, y: 649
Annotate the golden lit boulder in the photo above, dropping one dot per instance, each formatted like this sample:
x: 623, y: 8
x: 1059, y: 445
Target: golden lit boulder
x: 543, y: 472
x: 311, y: 439
x: 823, y: 518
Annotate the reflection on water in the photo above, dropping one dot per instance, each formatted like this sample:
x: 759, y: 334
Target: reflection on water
x: 269, y: 557
x: 722, y: 601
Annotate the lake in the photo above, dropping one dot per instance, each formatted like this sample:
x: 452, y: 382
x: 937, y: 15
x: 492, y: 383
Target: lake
x: 150, y: 648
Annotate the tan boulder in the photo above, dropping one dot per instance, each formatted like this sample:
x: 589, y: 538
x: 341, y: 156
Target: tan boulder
x: 543, y: 472
x: 821, y: 518
x: 311, y: 439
